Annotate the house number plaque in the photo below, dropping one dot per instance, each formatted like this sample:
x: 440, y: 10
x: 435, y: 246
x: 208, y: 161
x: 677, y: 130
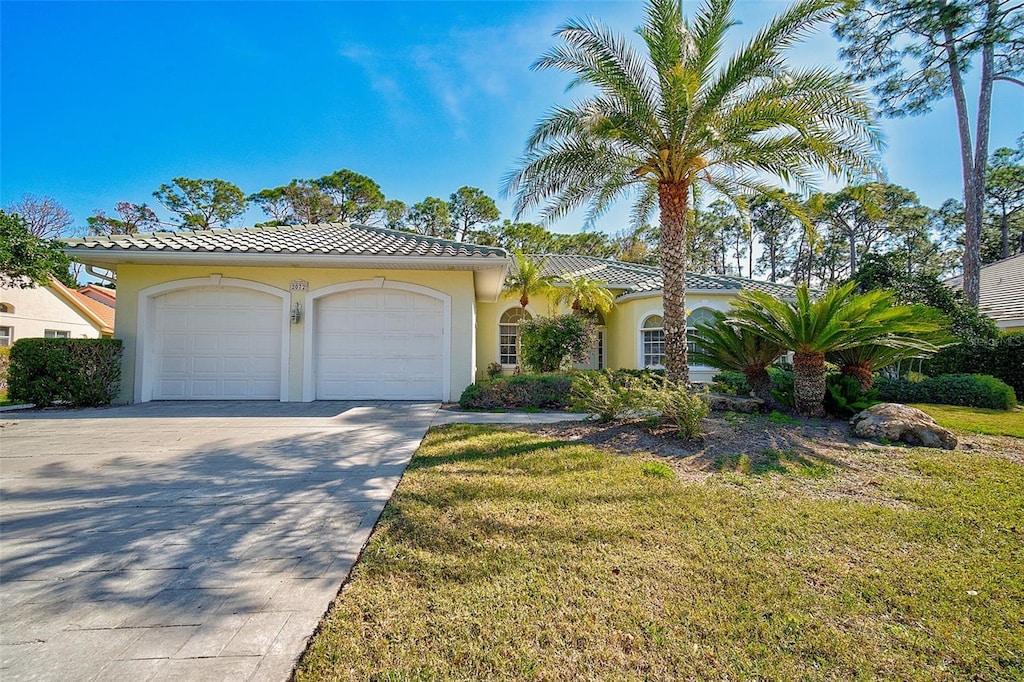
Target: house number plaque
x: 300, y: 285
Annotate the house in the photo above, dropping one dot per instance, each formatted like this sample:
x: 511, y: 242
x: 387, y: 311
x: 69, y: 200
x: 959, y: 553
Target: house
x: 1001, y: 292
x: 341, y: 311
x: 53, y: 311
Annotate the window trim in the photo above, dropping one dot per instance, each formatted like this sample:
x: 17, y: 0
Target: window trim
x: 530, y: 315
x: 56, y: 334
x: 8, y: 337
x: 6, y: 308
x: 690, y: 329
x: 642, y: 342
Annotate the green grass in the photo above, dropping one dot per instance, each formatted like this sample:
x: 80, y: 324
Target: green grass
x: 977, y: 419
x: 505, y: 555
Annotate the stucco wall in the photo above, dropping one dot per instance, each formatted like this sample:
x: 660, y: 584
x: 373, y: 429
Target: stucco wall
x: 39, y: 309
x: 622, y: 328
x: 133, y: 279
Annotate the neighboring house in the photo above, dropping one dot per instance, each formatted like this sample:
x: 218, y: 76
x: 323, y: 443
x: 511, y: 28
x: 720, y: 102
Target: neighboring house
x: 52, y: 311
x: 1001, y: 292
x: 338, y: 311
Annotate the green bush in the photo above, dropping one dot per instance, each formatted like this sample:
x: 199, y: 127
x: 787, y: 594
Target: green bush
x: 610, y: 395
x: 967, y: 390
x: 1002, y: 357
x: 524, y: 391
x: 683, y: 407
x: 548, y: 341
x: 731, y: 382
x: 5, y: 363
x: 77, y: 372
x: 782, y: 384
x: 844, y: 397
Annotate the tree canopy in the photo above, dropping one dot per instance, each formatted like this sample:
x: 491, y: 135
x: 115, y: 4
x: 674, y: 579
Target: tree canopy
x: 27, y: 260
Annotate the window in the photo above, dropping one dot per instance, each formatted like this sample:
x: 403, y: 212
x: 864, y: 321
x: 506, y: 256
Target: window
x: 6, y: 308
x: 508, y: 336
x: 56, y: 334
x: 697, y: 317
x: 6, y: 334
x: 653, y: 341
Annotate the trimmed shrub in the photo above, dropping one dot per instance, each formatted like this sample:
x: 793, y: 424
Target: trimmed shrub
x: 76, y: 372
x: 1002, y: 357
x: 967, y: 390
x: 524, y: 391
x: 731, y: 382
x: 547, y: 342
x: 5, y: 363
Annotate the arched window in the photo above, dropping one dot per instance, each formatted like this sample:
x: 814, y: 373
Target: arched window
x: 6, y: 308
x: 508, y: 336
x: 653, y: 341
x: 698, y: 316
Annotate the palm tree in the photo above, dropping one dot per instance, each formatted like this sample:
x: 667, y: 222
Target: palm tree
x: 586, y: 295
x: 925, y: 324
x: 678, y: 115
x: 726, y: 346
x: 837, y: 320
x: 527, y: 278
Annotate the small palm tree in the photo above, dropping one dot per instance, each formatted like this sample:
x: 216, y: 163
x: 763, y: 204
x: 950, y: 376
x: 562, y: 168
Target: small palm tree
x: 527, y: 278
x: 837, y: 320
x: 925, y: 324
x: 726, y: 346
x: 586, y: 295
x: 679, y: 115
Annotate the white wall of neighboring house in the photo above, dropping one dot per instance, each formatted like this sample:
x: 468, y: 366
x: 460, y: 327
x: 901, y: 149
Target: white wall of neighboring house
x: 38, y: 310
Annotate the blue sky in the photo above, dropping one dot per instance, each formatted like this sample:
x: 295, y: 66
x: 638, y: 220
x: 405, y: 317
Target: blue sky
x: 102, y: 102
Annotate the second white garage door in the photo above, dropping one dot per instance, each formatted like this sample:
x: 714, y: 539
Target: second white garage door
x: 379, y: 343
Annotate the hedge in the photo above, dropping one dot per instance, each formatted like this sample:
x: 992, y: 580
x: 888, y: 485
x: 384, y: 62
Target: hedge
x: 547, y: 391
x: 1002, y: 358
x: 968, y: 390
x: 76, y: 372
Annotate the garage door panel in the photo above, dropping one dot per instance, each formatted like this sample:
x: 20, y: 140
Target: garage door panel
x: 379, y: 343
x: 217, y: 343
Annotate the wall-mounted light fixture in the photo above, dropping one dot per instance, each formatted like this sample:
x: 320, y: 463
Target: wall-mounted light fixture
x: 297, y: 313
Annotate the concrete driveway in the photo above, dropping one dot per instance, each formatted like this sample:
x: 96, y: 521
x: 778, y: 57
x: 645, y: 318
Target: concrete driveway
x: 186, y: 541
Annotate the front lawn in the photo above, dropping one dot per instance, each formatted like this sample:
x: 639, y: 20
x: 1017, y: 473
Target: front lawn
x: 977, y: 419
x: 510, y: 555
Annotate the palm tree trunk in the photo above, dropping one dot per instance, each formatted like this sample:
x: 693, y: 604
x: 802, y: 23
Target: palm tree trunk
x: 809, y: 383
x: 672, y: 200
x: 760, y: 384
x: 862, y: 372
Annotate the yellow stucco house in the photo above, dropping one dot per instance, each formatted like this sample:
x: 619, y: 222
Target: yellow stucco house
x: 341, y: 311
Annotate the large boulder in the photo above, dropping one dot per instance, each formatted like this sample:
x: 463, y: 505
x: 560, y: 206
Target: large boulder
x: 720, y: 402
x: 895, y: 422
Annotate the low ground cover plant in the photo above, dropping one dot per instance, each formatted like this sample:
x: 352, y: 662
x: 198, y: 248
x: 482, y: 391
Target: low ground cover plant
x: 613, y: 396
x: 74, y: 372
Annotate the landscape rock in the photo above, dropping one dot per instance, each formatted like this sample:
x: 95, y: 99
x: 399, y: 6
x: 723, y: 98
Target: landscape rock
x: 735, y: 403
x: 900, y: 423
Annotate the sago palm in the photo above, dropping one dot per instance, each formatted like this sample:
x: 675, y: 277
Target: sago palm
x: 725, y: 346
x: 677, y: 113
x: 586, y: 295
x: 527, y: 278
x: 836, y: 320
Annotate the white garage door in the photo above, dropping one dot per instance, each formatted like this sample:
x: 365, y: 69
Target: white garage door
x: 379, y: 343
x: 217, y: 343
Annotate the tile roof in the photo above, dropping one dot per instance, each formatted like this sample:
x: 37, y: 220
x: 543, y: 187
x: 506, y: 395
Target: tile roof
x: 102, y: 316
x: 1001, y: 291
x: 634, y: 278
x: 330, y: 239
